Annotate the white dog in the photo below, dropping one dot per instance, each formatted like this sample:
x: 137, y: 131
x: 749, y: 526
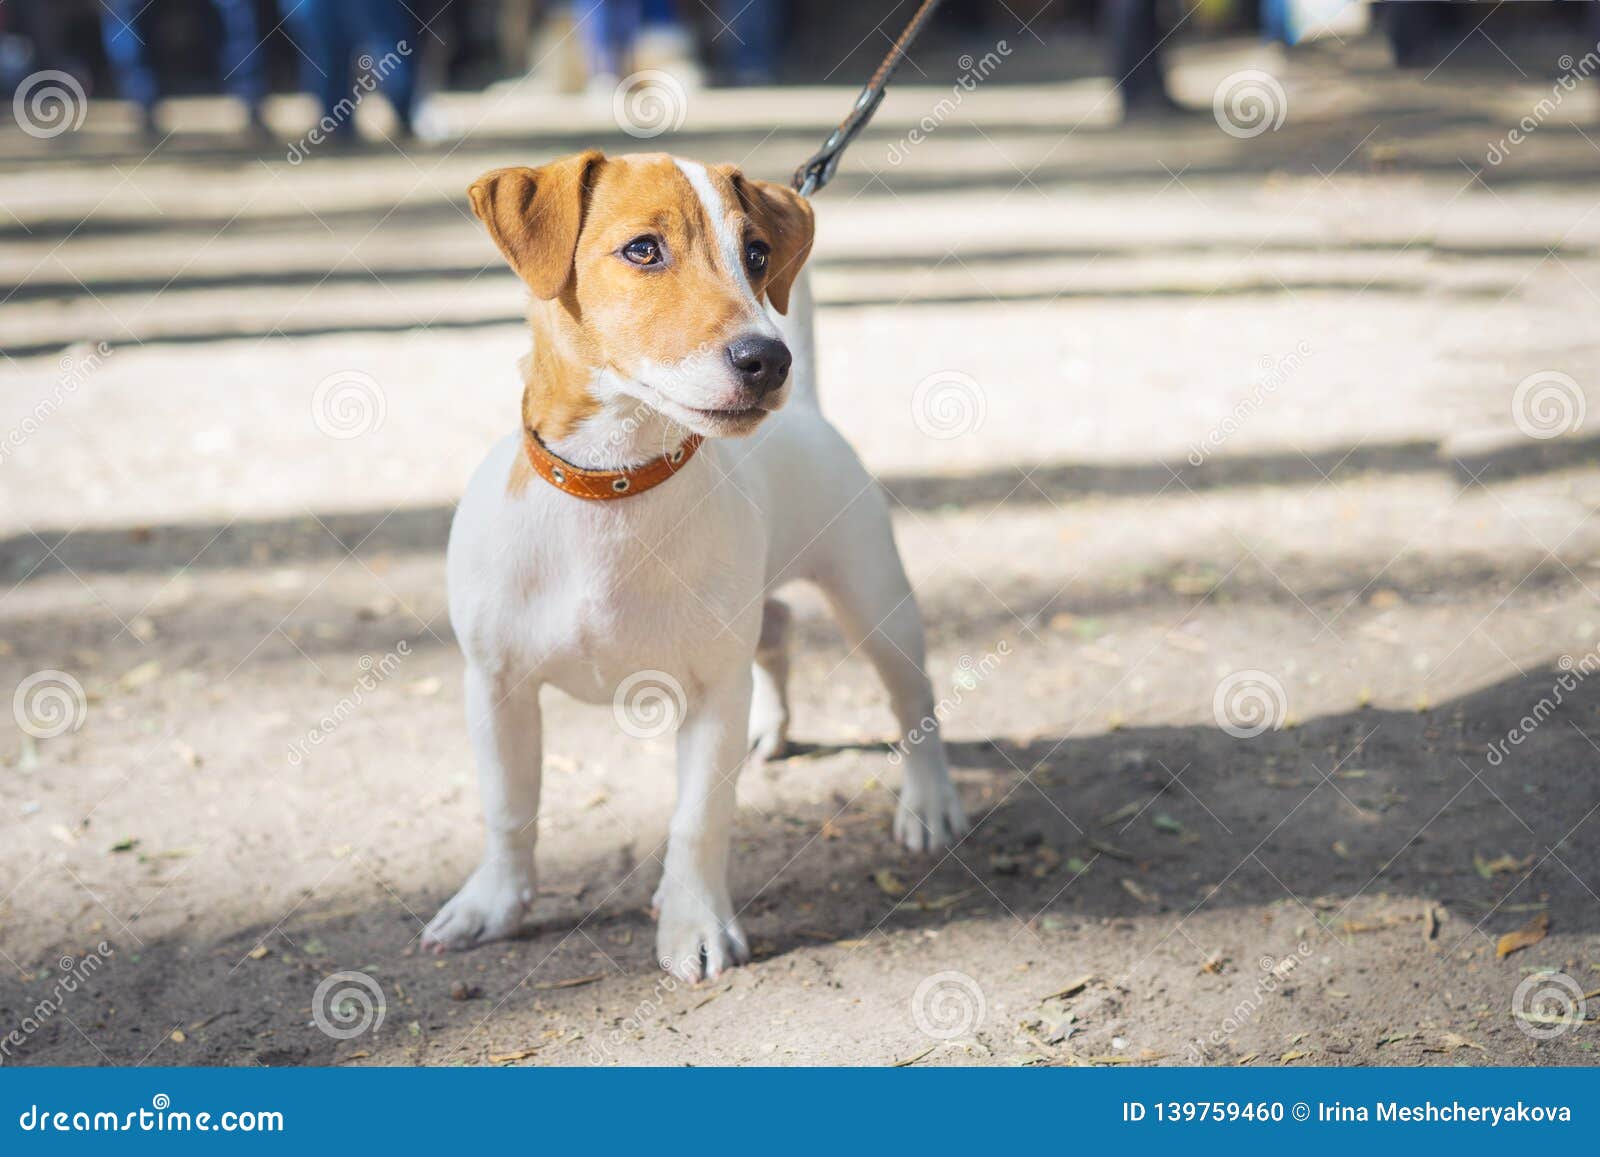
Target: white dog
x: 658, y: 495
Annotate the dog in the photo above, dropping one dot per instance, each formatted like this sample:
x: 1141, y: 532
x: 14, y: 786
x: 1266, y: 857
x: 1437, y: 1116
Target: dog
x: 674, y: 469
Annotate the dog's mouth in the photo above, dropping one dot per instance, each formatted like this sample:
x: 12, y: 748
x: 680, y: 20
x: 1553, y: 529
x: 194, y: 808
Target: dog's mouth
x: 719, y: 423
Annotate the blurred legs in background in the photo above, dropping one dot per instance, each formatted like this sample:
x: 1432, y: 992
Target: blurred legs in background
x: 1133, y: 40
x: 609, y: 30
x: 243, y: 62
x: 331, y: 32
x: 621, y: 37
x: 747, y: 46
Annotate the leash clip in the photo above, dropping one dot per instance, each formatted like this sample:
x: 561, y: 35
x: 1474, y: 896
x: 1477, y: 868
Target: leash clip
x: 818, y: 170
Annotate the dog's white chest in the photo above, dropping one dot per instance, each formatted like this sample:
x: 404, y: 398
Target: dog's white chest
x: 585, y: 594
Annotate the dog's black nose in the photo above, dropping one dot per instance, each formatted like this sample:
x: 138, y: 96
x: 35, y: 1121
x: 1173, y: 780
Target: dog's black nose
x: 761, y: 363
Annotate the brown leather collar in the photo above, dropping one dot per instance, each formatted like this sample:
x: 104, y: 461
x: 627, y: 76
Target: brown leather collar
x: 600, y: 485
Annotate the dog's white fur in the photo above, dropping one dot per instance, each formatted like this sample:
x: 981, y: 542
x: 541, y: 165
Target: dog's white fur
x: 548, y: 589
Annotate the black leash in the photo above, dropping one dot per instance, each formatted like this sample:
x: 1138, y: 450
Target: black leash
x: 819, y: 170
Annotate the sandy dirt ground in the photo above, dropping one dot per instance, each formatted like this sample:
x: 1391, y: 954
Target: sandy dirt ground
x: 1250, y: 509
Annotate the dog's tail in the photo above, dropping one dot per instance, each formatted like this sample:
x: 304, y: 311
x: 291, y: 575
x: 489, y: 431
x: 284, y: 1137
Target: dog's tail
x: 797, y: 327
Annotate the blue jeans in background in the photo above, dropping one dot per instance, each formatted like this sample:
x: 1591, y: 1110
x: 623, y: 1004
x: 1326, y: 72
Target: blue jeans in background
x: 243, y: 59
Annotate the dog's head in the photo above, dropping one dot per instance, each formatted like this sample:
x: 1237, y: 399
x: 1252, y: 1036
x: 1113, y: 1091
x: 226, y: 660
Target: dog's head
x: 659, y: 269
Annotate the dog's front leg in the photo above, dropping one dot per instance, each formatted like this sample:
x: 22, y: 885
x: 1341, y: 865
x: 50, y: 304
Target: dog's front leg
x: 698, y: 935
x: 503, y: 719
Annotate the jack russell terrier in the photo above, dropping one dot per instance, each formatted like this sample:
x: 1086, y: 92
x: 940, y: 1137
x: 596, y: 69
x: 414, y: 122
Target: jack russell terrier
x: 659, y: 492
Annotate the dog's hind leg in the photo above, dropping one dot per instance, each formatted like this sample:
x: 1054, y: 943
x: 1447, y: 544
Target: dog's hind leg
x: 504, y: 722
x: 866, y: 583
x: 769, y: 706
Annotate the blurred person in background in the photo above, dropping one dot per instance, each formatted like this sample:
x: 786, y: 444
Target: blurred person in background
x: 748, y: 41
x: 330, y: 33
x: 240, y: 55
x: 625, y: 36
x: 1133, y: 40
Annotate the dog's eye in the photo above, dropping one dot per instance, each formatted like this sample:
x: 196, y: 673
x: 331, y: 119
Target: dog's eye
x: 643, y: 251
x: 755, y: 256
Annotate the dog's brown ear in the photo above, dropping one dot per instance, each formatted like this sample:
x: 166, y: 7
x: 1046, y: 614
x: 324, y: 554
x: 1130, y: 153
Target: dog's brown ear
x: 785, y: 217
x: 534, y: 216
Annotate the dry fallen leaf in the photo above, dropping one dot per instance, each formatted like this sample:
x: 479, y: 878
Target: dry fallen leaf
x: 889, y: 883
x: 1528, y: 935
x: 259, y: 952
x: 574, y: 982
x: 1072, y: 989
x: 1293, y: 1056
x: 907, y: 1061
x: 1507, y: 863
x: 140, y: 675
x: 504, y: 1058
x: 1139, y: 893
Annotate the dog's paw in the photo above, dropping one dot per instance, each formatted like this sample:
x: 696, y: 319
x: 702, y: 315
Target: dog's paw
x: 697, y: 938
x: 929, y: 818
x: 769, y: 737
x: 490, y: 906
